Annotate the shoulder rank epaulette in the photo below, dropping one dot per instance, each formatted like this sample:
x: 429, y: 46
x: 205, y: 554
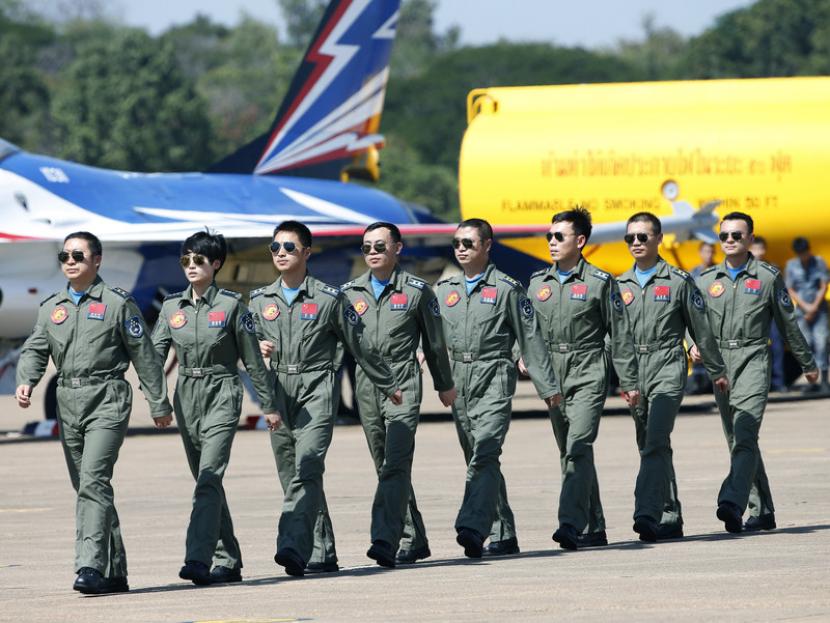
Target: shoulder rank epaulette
x: 174, y: 295
x: 331, y: 290
x: 120, y: 292
x: 256, y: 293
x: 601, y: 275
x: 679, y: 272
x: 48, y: 298
x: 230, y: 293
x: 347, y: 285
x: 416, y: 283
x: 539, y: 273
x: 770, y: 267
x: 708, y: 270
x: 511, y: 281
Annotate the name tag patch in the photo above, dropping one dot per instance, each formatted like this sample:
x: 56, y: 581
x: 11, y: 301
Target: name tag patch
x: 216, y: 319
x: 662, y: 294
x: 398, y: 301
x: 97, y: 311
x: 488, y: 295
x: 752, y: 286
x: 308, y: 311
x: 579, y: 292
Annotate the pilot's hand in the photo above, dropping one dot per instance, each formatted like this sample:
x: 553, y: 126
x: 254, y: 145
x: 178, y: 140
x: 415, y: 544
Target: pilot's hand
x: 164, y: 421
x: 448, y: 397
x: 811, y: 376
x: 274, y: 420
x: 554, y: 401
x: 522, y: 366
x: 421, y: 359
x: 23, y: 394
x: 722, y: 384
x: 396, y: 398
x: 694, y: 355
x: 266, y: 348
x: 632, y: 397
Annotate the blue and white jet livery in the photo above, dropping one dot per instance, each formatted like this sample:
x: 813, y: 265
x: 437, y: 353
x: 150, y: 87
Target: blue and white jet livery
x: 329, y: 119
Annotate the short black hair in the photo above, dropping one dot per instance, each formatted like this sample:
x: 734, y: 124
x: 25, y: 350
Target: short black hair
x: 92, y: 240
x: 761, y: 240
x: 485, y: 230
x: 212, y: 246
x: 801, y: 245
x: 394, y: 232
x: 295, y: 227
x: 647, y: 217
x: 740, y: 216
x: 578, y: 217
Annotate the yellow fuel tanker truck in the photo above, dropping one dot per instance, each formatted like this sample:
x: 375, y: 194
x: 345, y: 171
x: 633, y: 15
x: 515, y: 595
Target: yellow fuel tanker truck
x: 761, y: 146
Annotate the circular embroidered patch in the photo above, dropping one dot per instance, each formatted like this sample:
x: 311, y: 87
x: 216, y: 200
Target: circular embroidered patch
x: 271, y: 311
x: 543, y: 293
x: 452, y: 298
x: 59, y: 314
x: 178, y: 320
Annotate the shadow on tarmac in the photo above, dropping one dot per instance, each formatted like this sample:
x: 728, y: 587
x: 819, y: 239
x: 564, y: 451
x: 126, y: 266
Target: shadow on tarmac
x: 367, y: 571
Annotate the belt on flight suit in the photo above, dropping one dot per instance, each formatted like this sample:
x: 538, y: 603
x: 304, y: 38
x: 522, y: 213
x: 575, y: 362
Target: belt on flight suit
x: 469, y: 357
x: 740, y: 343
x: 299, y: 368
x: 84, y: 381
x: 655, y: 346
x: 569, y: 347
x: 198, y: 373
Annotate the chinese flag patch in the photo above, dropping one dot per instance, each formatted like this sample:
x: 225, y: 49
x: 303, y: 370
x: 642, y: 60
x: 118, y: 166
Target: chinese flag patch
x: 579, y: 292
x: 752, y: 286
x: 398, y: 301
x: 216, y: 319
x: 97, y: 311
x: 489, y: 295
x: 308, y: 311
x: 662, y: 294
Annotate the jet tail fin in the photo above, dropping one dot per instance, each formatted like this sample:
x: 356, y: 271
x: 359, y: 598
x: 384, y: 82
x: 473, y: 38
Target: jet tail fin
x: 331, y: 114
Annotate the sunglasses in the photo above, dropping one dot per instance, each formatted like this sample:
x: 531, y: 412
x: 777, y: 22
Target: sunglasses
x: 736, y: 235
x: 467, y: 243
x: 198, y: 259
x: 379, y: 247
x: 560, y: 237
x: 630, y: 238
x: 63, y: 256
x: 289, y: 247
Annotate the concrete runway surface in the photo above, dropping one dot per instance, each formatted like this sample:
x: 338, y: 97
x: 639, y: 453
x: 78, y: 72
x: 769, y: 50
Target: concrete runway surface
x: 772, y: 576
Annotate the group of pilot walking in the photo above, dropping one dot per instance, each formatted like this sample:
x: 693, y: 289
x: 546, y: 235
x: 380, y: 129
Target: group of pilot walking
x: 565, y: 331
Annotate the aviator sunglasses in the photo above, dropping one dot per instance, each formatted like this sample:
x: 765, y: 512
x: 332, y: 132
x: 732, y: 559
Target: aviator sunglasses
x: 63, y: 256
x: 198, y: 259
x: 289, y: 247
x: 736, y: 235
x: 560, y: 237
x: 379, y: 247
x: 629, y: 238
x: 467, y: 243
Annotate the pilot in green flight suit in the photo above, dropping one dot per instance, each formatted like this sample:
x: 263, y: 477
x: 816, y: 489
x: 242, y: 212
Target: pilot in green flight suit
x: 93, y: 332
x: 662, y: 302
x: 578, y: 305
x: 486, y: 313
x: 401, y: 313
x: 744, y: 297
x: 210, y: 330
x: 301, y: 322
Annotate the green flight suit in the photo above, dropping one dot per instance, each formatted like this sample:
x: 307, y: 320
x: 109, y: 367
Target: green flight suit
x: 660, y: 313
x: 92, y: 344
x: 306, y: 335
x: 406, y: 312
x: 481, y: 330
x: 741, y: 312
x: 575, y: 317
x: 209, y: 337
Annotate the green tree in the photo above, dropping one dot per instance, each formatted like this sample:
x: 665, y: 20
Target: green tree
x: 127, y: 105
x: 768, y: 38
x: 416, y: 42
x: 658, y: 55
x: 301, y: 19
x: 24, y: 97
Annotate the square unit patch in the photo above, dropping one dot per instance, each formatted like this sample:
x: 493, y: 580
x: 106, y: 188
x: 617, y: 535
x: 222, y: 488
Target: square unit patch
x: 752, y: 286
x: 579, y: 292
x: 398, y: 301
x: 97, y: 311
x: 216, y: 319
x: 489, y: 295
x: 662, y: 294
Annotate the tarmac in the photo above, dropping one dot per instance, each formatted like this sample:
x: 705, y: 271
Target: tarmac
x: 771, y: 576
